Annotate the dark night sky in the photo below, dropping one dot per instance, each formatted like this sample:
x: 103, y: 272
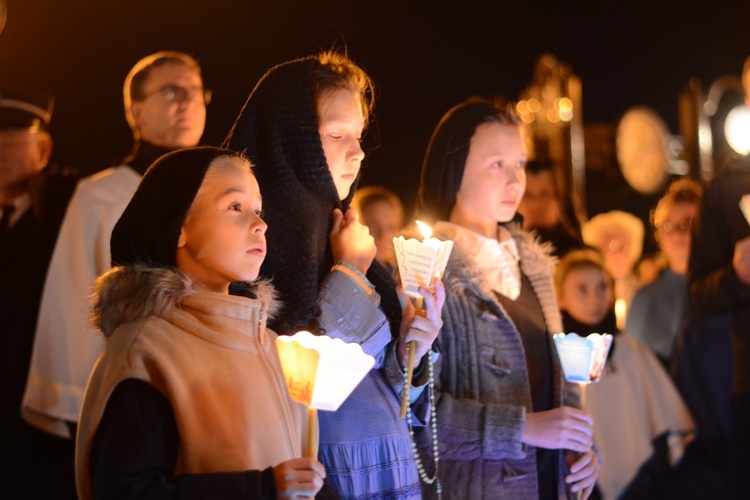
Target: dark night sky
x: 424, y: 56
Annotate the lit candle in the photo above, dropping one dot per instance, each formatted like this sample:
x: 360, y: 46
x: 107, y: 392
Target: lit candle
x: 419, y: 264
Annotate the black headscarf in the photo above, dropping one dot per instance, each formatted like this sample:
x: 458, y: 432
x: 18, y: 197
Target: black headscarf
x: 149, y: 228
x: 278, y: 130
x: 445, y: 160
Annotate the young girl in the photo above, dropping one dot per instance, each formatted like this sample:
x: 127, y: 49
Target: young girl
x: 635, y: 400
x: 501, y: 423
x: 188, y: 400
x: 302, y: 127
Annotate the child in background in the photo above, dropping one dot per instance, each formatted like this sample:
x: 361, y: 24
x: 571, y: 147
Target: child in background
x: 302, y: 126
x: 382, y: 212
x: 635, y: 400
x: 187, y: 399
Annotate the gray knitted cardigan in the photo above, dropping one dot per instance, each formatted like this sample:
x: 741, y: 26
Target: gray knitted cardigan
x: 483, y: 382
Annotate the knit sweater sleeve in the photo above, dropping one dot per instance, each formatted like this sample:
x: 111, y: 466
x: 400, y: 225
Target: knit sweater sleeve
x: 350, y: 313
x: 134, y: 454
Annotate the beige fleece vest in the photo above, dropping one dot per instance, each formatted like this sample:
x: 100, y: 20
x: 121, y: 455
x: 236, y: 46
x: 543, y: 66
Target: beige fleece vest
x: 218, y: 366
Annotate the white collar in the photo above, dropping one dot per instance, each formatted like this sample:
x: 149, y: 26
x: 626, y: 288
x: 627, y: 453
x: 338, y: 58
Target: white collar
x: 498, y: 262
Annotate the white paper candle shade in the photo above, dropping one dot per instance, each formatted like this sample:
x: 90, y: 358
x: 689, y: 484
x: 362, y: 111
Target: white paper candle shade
x: 583, y: 359
x: 321, y: 372
x: 419, y: 262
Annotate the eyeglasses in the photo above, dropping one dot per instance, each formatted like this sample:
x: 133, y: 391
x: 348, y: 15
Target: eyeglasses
x: 175, y: 93
x: 683, y: 226
x: 617, y: 246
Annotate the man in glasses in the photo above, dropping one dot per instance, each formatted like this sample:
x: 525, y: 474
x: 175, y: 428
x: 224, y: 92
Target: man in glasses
x: 33, y: 196
x: 165, y: 105
x: 659, y: 309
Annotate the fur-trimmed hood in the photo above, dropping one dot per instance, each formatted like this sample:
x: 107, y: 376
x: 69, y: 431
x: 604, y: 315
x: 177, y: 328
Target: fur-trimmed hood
x: 131, y: 293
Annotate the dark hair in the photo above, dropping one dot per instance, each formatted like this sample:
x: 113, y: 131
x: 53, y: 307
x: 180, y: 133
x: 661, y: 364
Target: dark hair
x: 445, y: 160
x: 132, y: 89
x: 336, y: 71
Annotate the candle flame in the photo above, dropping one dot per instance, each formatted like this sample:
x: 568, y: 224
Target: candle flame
x: 426, y: 230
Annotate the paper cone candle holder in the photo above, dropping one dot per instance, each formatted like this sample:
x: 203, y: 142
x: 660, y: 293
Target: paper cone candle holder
x: 419, y: 262
x: 320, y: 371
x: 583, y: 358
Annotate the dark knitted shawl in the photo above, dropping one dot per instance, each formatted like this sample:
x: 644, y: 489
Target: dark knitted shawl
x: 278, y: 130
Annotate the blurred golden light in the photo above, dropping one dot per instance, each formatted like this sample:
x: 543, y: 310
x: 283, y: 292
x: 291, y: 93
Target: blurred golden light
x: 737, y: 130
x: 552, y: 116
x: 565, y: 115
x: 522, y: 107
x: 566, y: 105
x: 527, y: 118
x: 534, y: 105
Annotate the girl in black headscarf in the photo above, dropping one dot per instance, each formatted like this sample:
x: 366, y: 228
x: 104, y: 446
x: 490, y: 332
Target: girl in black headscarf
x: 302, y: 127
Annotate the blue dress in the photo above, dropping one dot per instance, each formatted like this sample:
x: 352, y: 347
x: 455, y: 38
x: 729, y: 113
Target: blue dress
x: 364, y: 445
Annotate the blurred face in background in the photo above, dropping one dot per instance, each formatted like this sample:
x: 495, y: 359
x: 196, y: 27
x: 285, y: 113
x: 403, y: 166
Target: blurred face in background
x: 586, y: 294
x: 172, y: 112
x: 384, y: 222
x: 673, y: 234
x: 540, y: 206
x: 23, y: 153
x: 615, y: 247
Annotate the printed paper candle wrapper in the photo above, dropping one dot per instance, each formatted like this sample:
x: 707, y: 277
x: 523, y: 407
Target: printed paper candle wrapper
x: 320, y: 371
x: 582, y: 358
x: 419, y: 262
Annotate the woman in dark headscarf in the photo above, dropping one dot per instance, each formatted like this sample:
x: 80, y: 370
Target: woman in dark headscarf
x: 500, y: 417
x: 302, y: 127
